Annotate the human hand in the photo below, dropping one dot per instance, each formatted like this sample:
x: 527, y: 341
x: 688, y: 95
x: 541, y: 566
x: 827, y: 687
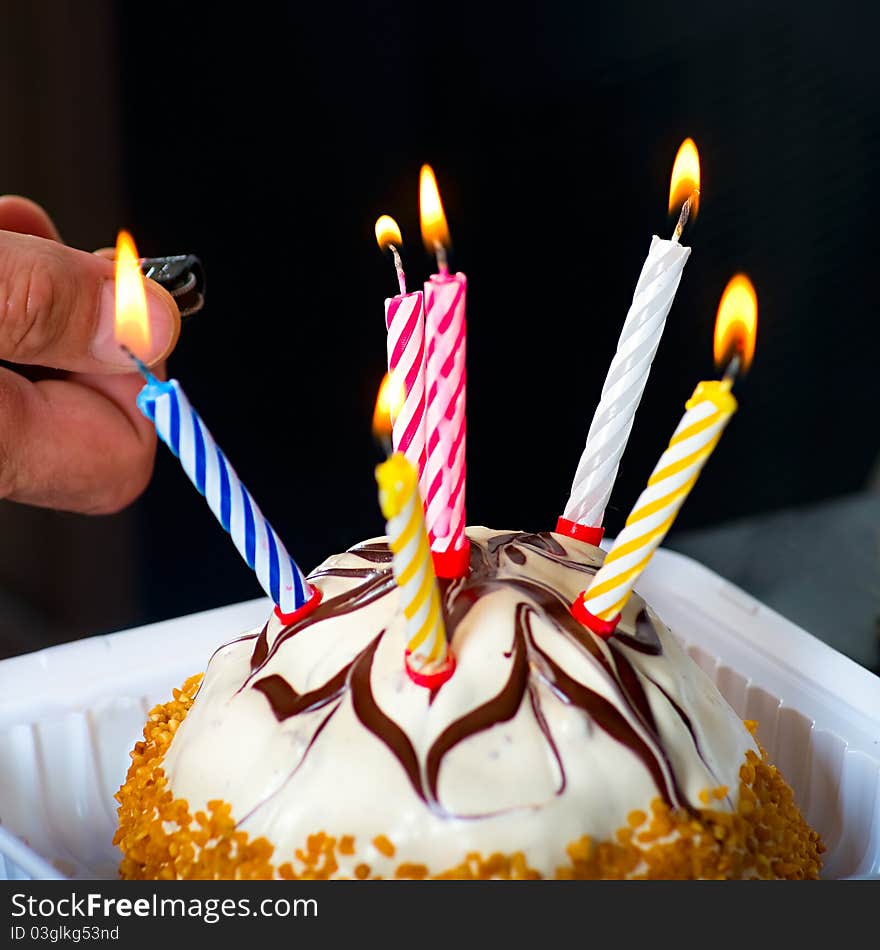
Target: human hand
x: 71, y: 435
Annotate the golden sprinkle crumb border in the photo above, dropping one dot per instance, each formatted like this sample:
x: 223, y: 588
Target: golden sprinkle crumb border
x: 767, y: 837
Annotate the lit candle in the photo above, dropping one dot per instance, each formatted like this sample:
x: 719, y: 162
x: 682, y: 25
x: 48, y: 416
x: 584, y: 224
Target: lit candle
x: 707, y: 413
x: 622, y: 392
x: 180, y: 428
x: 446, y: 378
x: 405, y: 321
x: 427, y: 658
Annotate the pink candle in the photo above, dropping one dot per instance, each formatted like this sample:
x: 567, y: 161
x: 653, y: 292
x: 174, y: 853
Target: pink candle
x: 404, y: 318
x: 446, y: 376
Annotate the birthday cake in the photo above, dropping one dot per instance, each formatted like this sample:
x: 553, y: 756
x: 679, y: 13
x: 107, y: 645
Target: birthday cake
x: 305, y: 751
x: 452, y: 702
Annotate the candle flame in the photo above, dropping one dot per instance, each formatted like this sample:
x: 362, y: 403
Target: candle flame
x: 685, y: 180
x: 433, y: 220
x: 387, y: 232
x: 736, y: 324
x: 132, y: 327
x: 389, y: 402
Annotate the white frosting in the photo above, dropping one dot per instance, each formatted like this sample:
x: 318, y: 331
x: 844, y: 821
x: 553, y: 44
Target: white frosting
x: 518, y: 785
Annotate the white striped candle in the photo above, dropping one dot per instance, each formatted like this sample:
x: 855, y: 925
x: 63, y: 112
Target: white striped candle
x: 628, y: 373
x: 625, y: 383
x: 182, y: 430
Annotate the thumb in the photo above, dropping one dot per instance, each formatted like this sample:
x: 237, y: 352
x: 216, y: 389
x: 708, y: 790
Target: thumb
x: 58, y: 308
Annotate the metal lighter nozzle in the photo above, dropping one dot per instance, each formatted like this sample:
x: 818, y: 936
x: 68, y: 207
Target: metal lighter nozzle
x: 182, y: 275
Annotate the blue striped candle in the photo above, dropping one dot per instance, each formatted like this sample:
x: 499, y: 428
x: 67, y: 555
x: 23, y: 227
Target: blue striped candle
x: 182, y: 430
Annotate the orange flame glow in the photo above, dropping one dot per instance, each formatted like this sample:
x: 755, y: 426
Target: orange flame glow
x: 685, y: 180
x: 132, y: 326
x: 736, y: 324
x: 433, y: 220
x: 389, y: 402
x: 387, y: 232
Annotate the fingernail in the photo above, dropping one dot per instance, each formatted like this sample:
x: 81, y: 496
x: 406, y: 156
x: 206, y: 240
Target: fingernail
x: 163, y: 322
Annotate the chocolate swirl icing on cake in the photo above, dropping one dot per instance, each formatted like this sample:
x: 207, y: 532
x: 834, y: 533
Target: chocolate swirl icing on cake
x: 531, y: 665
x: 544, y: 734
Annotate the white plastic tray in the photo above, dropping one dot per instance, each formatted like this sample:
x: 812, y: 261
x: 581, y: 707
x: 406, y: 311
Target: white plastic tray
x: 70, y: 715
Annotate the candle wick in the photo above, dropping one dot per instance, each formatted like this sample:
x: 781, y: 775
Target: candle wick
x: 385, y: 444
x: 685, y: 214
x: 141, y: 366
x: 442, y: 263
x: 732, y: 370
x: 398, y: 266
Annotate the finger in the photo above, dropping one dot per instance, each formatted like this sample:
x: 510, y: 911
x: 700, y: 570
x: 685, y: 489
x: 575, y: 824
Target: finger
x: 57, y: 308
x: 72, y: 447
x: 26, y: 217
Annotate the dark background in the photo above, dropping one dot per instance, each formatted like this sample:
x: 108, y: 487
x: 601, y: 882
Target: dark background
x: 268, y: 139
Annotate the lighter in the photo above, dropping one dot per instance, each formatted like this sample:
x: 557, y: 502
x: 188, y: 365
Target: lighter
x: 182, y: 276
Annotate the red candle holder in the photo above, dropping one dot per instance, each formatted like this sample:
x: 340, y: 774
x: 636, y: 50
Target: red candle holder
x: 589, y: 534
x: 300, y: 612
x: 436, y: 678
x: 602, y: 628
x: 452, y: 563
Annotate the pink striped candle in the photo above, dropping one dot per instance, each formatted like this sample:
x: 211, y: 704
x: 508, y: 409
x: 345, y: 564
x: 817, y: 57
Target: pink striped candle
x: 446, y: 379
x: 404, y: 319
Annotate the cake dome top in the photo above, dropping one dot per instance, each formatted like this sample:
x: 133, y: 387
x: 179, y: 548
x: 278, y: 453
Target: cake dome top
x: 544, y: 729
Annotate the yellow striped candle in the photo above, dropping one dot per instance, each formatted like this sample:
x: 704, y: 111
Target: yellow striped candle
x: 428, y: 659
x: 707, y: 413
